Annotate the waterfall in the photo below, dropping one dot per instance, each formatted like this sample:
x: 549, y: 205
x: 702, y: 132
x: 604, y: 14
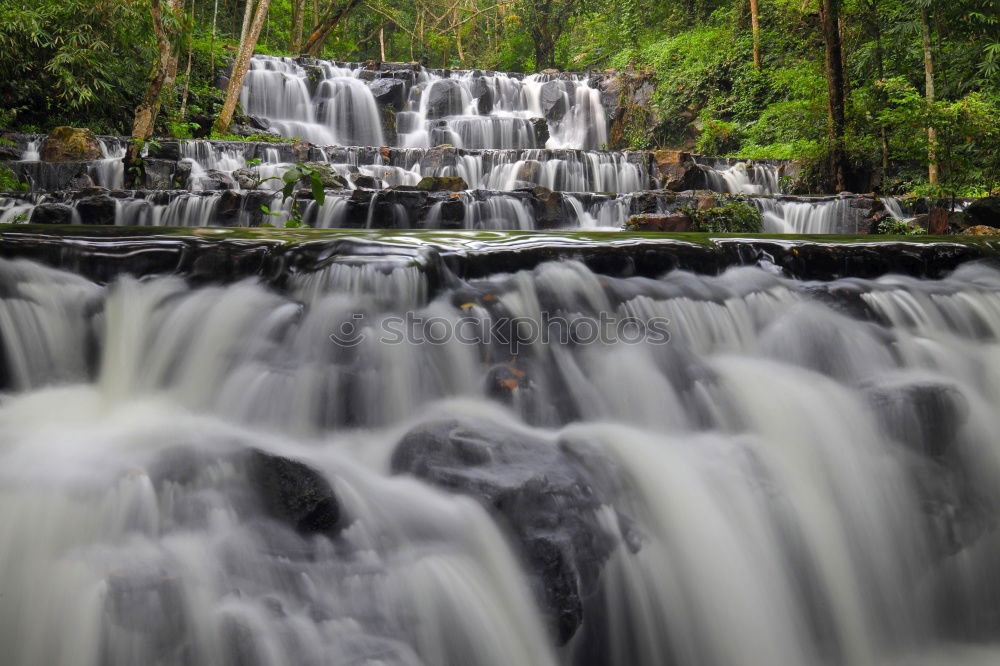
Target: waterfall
x: 328, y: 104
x: 109, y: 171
x: 789, y: 473
x: 741, y: 178
x: 825, y: 216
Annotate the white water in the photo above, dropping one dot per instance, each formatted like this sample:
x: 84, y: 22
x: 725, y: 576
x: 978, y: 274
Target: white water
x: 742, y: 178
x: 337, y: 107
x: 777, y: 521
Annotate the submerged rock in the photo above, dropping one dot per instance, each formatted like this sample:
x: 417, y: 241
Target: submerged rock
x: 294, y: 493
x: 533, y: 487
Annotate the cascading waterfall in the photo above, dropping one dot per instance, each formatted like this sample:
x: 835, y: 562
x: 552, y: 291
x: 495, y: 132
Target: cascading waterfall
x: 825, y: 216
x: 741, y: 178
x: 327, y: 105
x: 340, y: 111
x: 788, y: 473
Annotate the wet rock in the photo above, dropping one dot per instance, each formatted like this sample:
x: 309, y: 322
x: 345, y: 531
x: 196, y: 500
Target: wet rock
x: 365, y: 181
x: 677, y: 170
x: 9, y: 153
x: 247, y: 179
x: 294, y: 493
x: 923, y: 415
x: 159, y: 175
x: 217, y: 180
x: 549, y: 210
x: 258, y: 123
x: 389, y: 92
x: 984, y: 212
x: 98, y: 209
x: 553, y: 100
x: 539, y: 492
x: 484, y: 103
x: 302, y: 150
x: 540, y: 128
x: 167, y: 149
x: 672, y: 223
x: 442, y: 184
x: 70, y: 144
x: 444, y: 98
x: 52, y: 213
x: 330, y: 178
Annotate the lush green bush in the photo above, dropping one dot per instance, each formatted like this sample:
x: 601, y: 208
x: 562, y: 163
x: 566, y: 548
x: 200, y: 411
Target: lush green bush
x: 735, y: 217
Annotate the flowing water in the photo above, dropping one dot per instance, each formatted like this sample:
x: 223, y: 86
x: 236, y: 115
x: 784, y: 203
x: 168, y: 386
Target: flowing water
x: 774, y: 471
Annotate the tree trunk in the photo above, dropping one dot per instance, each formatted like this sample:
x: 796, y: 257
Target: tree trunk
x: 829, y: 14
x: 381, y: 44
x: 247, y: 14
x: 211, y: 44
x: 240, y: 67
x: 149, y: 107
x: 755, y: 27
x: 932, y: 142
x: 298, y: 18
x: 880, y: 60
x: 333, y: 15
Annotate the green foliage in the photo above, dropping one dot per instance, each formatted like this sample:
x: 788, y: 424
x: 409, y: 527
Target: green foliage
x: 736, y: 217
x: 890, y: 226
x: 67, y: 59
x: 9, y: 182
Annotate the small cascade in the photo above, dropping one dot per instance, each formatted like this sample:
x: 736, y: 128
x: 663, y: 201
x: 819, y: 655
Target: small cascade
x: 32, y: 150
x: 823, y: 216
x: 741, y: 177
x: 109, y: 171
x: 326, y: 105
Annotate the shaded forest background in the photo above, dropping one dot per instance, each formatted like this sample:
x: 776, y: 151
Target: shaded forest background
x: 919, y: 95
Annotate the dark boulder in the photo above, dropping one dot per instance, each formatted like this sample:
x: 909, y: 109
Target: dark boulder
x: 52, y: 213
x: 365, y: 181
x: 167, y: 149
x: 484, y: 103
x: 444, y: 98
x: 537, y: 489
x: 923, y: 415
x: 540, y: 128
x: 553, y: 100
x: 97, y: 209
x: 984, y: 212
x: 294, y: 493
x: 389, y: 92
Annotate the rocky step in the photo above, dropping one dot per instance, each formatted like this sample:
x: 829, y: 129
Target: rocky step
x: 559, y: 169
x: 434, y: 204
x: 446, y: 258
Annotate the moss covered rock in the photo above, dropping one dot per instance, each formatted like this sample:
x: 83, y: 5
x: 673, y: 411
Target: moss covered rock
x: 442, y: 184
x: 70, y: 144
x: 734, y: 217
